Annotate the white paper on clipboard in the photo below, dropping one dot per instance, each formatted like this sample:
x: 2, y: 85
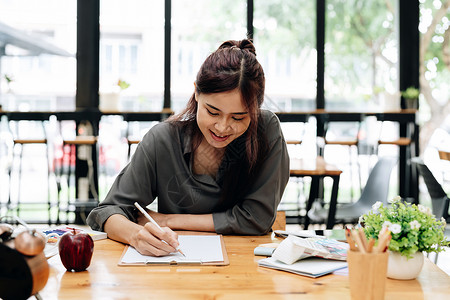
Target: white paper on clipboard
x: 198, y: 249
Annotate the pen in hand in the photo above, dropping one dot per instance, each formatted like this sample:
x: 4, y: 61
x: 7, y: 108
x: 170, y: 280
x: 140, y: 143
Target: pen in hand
x: 153, y: 221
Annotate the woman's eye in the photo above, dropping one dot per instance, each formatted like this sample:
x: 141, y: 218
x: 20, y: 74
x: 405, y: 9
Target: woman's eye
x: 238, y: 119
x: 211, y: 113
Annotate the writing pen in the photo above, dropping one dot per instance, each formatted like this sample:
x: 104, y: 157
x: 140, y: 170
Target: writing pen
x: 154, y: 222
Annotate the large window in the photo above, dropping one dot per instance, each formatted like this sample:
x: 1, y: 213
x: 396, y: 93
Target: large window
x: 284, y: 34
x: 434, y: 75
x: 361, y: 53
x: 132, y: 51
x: 198, y: 28
x: 37, y: 54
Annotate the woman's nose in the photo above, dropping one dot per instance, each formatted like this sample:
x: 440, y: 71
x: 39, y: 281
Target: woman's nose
x: 222, y: 125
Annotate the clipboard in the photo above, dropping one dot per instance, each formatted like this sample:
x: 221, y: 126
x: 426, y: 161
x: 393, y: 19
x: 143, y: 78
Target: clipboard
x: 175, y: 259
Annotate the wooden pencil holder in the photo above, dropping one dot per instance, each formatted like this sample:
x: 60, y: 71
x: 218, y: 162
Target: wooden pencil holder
x: 367, y: 274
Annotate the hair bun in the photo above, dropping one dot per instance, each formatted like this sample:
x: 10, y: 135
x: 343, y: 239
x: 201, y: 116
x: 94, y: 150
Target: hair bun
x: 245, y: 44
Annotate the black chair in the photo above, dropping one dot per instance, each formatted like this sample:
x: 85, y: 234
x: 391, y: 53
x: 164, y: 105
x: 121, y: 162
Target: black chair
x: 439, y: 199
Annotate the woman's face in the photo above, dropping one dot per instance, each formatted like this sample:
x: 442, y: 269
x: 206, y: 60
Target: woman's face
x: 222, y: 117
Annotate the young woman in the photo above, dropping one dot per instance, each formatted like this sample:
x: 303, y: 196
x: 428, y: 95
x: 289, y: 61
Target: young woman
x: 221, y: 165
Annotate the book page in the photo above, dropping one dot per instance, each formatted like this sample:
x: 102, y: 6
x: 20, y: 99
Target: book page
x: 197, y: 248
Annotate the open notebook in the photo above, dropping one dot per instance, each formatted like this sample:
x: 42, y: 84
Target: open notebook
x: 199, y: 250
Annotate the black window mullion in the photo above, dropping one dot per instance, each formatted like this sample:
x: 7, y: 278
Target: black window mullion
x: 320, y: 45
x: 250, y: 19
x: 167, y: 51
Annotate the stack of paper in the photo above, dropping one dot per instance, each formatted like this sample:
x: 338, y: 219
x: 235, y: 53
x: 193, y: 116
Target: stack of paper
x: 294, y: 248
x: 311, y: 266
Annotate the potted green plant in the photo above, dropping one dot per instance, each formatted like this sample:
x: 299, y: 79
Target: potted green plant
x: 414, y: 230
x: 122, y: 84
x: 411, y: 95
x: 109, y: 101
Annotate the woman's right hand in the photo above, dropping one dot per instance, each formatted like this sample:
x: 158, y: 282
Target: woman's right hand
x: 150, y: 240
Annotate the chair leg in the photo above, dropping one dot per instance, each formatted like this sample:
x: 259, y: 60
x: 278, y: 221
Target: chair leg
x: 358, y: 166
x: 352, y: 196
x: 58, y: 178
x: 300, y: 192
x: 49, y: 202
x: 20, y: 180
x: 10, y: 174
x: 72, y: 152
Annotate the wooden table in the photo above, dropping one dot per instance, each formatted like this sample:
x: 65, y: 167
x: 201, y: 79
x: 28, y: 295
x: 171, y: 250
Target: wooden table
x: 242, y: 279
x: 317, y: 169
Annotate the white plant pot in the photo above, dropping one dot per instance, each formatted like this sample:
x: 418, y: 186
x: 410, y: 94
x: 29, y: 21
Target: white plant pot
x: 109, y: 101
x: 400, y: 267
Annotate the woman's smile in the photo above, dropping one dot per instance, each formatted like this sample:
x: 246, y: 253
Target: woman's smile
x: 219, y: 138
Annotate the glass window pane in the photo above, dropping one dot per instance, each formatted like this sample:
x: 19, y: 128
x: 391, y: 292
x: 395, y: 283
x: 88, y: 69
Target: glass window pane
x: 198, y: 28
x: 435, y: 74
x: 361, y: 53
x: 37, y: 55
x: 285, y: 37
x: 132, y: 50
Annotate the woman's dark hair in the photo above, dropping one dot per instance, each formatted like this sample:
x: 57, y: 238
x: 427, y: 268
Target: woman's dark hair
x: 232, y: 66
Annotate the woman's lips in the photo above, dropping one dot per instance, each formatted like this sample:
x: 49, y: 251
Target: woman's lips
x: 219, y: 138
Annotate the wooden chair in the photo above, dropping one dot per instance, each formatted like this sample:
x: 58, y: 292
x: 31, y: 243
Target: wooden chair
x: 27, y: 129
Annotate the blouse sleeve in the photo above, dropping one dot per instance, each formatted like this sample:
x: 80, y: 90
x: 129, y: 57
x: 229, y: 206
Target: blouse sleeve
x: 255, y: 214
x: 133, y: 184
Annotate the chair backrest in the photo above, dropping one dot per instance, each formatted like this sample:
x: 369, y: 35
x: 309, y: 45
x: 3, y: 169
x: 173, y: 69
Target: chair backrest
x: 28, y: 125
x: 439, y: 199
x: 337, y: 129
x: 377, y: 186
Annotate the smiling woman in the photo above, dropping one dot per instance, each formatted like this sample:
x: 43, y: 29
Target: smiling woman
x: 222, y: 117
x: 220, y: 165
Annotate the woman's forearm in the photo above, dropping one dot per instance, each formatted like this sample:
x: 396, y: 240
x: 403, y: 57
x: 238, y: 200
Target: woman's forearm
x: 180, y: 221
x: 120, y: 228
x: 190, y: 222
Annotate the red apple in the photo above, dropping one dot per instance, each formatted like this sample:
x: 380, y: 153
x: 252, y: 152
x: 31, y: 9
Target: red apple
x: 75, y: 250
